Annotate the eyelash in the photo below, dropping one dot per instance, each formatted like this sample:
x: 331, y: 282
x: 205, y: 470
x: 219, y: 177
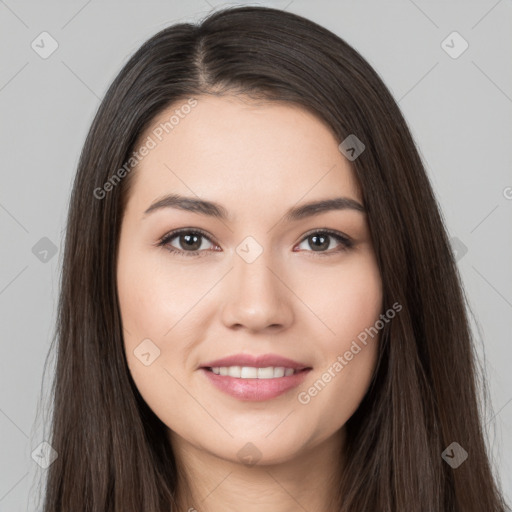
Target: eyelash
x: 346, y: 242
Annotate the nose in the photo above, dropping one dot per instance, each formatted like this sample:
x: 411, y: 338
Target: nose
x: 255, y: 296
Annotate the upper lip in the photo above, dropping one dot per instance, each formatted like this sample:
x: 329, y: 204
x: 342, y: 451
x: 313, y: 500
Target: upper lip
x: 261, y: 361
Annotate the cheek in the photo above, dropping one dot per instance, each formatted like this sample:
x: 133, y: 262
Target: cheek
x: 347, y: 300
x: 142, y: 303
x: 154, y: 296
x: 358, y: 308
x: 352, y: 305
x: 147, y: 306
x: 155, y: 303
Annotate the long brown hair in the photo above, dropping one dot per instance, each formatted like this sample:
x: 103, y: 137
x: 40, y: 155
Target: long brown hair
x: 113, y: 452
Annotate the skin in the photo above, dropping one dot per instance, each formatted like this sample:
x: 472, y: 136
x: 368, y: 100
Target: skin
x: 257, y: 160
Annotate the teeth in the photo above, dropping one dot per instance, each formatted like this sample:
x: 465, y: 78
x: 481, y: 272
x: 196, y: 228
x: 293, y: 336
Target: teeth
x: 234, y: 371
x: 265, y: 373
x: 247, y: 372
x: 250, y: 372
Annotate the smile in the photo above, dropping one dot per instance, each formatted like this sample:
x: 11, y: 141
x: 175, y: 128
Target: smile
x: 254, y: 384
x: 250, y: 372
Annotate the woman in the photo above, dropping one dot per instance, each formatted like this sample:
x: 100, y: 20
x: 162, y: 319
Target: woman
x: 259, y: 308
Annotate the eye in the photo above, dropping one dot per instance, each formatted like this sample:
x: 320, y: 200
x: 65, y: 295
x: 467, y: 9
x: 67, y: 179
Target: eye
x: 190, y: 242
x: 320, y: 241
x: 187, y: 239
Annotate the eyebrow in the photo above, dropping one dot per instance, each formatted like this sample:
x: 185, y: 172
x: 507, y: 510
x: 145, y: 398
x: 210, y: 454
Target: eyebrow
x: 212, y: 209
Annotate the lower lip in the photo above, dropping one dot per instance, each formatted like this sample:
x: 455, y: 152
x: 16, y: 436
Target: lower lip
x: 255, y: 389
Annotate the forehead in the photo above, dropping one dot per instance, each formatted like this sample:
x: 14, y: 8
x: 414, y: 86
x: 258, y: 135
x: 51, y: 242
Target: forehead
x: 235, y: 150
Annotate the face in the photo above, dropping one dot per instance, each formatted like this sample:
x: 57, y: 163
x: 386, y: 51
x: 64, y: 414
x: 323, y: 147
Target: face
x: 256, y: 278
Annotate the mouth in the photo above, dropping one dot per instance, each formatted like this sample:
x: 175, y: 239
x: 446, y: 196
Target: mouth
x: 255, y: 378
x: 252, y: 372
x: 244, y: 366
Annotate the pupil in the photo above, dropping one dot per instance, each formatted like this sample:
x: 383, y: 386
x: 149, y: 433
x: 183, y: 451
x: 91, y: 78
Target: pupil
x: 191, y: 241
x: 321, y: 245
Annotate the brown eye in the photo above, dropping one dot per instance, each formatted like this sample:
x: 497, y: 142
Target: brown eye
x: 192, y: 242
x: 321, y: 241
x: 189, y: 242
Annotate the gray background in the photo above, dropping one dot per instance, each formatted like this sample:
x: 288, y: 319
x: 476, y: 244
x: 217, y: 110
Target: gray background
x: 459, y: 111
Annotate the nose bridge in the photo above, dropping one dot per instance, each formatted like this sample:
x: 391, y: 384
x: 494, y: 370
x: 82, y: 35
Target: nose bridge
x: 256, y: 297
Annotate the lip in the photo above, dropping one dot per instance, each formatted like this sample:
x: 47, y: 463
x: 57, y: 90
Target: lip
x: 255, y: 389
x: 261, y: 361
